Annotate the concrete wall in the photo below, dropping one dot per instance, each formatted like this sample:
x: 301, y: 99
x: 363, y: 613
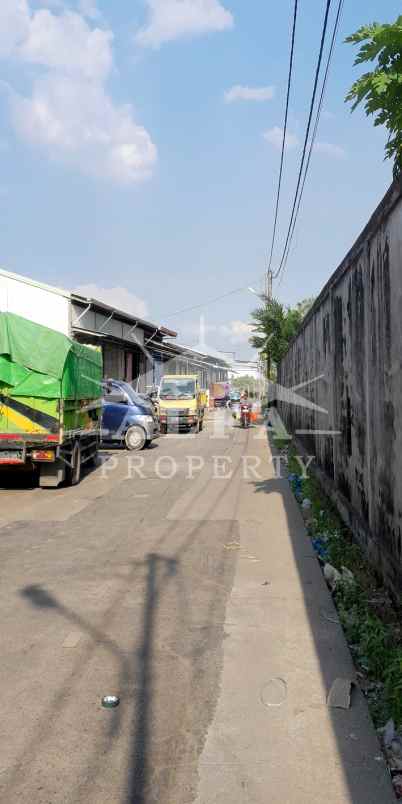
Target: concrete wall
x: 352, y: 341
x: 37, y: 302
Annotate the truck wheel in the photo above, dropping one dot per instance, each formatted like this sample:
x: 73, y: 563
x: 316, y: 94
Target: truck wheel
x: 73, y: 472
x: 135, y: 438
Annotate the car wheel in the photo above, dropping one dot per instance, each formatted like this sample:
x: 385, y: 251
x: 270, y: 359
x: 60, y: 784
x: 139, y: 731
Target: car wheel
x: 135, y: 438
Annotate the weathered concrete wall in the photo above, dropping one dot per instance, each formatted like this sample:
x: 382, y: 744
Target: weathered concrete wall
x: 352, y: 341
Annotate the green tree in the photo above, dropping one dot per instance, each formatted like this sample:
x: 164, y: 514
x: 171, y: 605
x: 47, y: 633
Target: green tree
x: 381, y: 89
x: 274, y: 327
x: 247, y: 381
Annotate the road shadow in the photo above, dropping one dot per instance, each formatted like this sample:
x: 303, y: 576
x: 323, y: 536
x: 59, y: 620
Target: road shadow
x: 16, y: 480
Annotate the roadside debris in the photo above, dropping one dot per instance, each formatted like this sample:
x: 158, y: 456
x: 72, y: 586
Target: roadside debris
x: 397, y: 782
x: 232, y: 546
x: 388, y: 733
x: 110, y: 701
x: 339, y: 694
x: 321, y: 548
x: 332, y: 576
x: 371, y: 620
x: 347, y: 576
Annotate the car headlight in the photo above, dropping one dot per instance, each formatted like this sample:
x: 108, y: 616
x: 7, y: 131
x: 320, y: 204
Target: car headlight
x: 145, y: 419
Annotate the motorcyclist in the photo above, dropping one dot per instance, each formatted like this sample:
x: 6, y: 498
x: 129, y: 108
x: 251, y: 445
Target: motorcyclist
x: 245, y: 409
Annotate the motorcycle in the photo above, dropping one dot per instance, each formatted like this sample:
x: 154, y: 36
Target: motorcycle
x: 245, y: 414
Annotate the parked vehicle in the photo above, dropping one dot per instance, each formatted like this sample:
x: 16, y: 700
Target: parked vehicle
x: 127, y: 417
x: 245, y: 413
x: 182, y: 403
x: 219, y: 393
x: 50, y: 408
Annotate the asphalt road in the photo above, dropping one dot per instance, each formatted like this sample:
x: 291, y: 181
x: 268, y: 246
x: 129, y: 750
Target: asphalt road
x: 103, y: 591
x: 181, y: 580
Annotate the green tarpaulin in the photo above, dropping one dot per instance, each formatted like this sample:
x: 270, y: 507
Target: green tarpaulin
x: 37, y: 361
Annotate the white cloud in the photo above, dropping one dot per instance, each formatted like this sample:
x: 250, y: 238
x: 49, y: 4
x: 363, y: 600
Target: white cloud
x: 275, y: 135
x: 173, y: 19
x: 54, y: 5
x: 88, y: 8
x: 69, y: 113
x: 236, y: 331
x: 118, y: 297
x: 67, y: 43
x: 78, y: 123
x: 330, y: 149
x: 239, y: 92
x: 14, y: 25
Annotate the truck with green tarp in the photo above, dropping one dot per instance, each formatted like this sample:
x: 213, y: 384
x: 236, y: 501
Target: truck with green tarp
x: 50, y: 400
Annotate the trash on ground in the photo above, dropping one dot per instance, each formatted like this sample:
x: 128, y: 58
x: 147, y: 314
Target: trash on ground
x: 331, y: 575
x: 320, y: 548
x: 339, y: 694
x: 266, y: 583
x: 397, y: 782
x: 110, y: 701
x: 232, y: 546
x: 306, y: 503
x: 347, y: 576
x: 389, y: 733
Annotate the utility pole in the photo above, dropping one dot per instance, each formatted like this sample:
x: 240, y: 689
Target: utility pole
x: 268, y: 293
x: 268, y: 284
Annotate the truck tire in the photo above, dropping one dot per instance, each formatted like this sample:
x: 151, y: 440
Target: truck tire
x: 135, y: 438
x: 73, y: 472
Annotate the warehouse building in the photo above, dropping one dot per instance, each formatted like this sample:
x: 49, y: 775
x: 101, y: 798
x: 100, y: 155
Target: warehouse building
x: 133, y: 349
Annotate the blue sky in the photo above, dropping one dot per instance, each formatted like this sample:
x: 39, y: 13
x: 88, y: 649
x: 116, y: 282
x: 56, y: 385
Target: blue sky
x: 126, y: 169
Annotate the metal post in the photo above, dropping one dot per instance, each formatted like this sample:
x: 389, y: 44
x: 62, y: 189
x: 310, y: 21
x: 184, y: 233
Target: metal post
x: 268, y: 293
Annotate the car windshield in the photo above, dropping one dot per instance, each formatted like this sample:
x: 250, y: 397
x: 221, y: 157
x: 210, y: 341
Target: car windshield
x: 177, y: 389
x: 125, y: 387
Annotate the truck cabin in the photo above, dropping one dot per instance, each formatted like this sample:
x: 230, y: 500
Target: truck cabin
x: 178, y: 388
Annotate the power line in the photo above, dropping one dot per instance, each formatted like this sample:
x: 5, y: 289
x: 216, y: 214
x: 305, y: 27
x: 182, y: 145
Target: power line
x: 285, y: 124
x: 210, y: 301
x: 317, y: 120
x: 317, y: 73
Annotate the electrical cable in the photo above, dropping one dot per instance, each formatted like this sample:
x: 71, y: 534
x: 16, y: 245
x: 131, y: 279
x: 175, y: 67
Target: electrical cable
x: 210, y: 301
x: 312, y: 103
x: 285, y: 125
x: 317, y: 120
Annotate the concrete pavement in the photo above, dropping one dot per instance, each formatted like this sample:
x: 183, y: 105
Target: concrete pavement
x: 183, y: 582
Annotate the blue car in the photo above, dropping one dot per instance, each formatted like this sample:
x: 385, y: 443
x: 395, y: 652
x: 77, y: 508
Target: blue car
x: 127, y: 417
